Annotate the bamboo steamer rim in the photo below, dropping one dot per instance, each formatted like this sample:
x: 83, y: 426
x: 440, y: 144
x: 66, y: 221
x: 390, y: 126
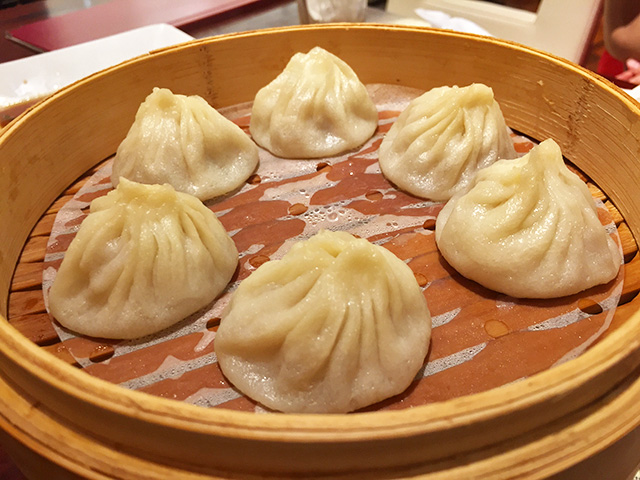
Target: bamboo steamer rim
x: 623, y: 345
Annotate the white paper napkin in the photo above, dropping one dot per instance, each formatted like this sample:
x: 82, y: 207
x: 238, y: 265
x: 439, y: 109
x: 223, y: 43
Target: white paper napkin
x: 443, y: 20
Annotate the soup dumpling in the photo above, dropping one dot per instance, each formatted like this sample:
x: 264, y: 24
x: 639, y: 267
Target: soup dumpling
x: 441, y: 140
x: 185, y: 142
x: 528, y: 228
x: 144, y: 258
x: 335, y: 325
x: 317, y: 107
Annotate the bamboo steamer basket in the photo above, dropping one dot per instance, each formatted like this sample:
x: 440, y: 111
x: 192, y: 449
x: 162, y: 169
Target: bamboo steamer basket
x: 59, y: 422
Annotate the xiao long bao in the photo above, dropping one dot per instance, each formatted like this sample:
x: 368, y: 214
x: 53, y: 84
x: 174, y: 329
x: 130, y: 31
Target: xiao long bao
x: 184, y: 141
x: 441, y: 140
x: 528, y: 228
x: 317, y: 107
x: 144, y: 258
x: 335, y: 325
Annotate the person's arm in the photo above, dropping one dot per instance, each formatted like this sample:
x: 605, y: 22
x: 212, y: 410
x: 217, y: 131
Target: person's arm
x: 621, y: 28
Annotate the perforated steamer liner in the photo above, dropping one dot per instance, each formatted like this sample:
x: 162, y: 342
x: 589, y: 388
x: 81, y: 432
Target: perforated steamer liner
x: 525, y: 430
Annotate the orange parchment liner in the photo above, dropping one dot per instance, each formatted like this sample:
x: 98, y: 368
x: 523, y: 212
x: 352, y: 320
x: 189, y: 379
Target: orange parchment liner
x: 480, y: 339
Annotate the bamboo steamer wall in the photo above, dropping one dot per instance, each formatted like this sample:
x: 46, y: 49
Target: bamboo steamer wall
x: 527, y: 430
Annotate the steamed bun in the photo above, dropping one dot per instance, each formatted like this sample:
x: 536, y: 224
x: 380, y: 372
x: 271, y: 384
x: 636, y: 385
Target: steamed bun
x: 317, y: 107
x: 144, y: 258
x: 335, y: 325
x: 528, y: 228
x: 184, y: 141
x: 441, y: 140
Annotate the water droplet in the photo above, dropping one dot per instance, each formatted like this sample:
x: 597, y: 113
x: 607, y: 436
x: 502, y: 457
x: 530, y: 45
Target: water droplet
x: 421, y: 279
x: 258, y: 260
x: 297, y: 209
x: 373, y: 195
x: 429, y: 224
x: 496, y: 328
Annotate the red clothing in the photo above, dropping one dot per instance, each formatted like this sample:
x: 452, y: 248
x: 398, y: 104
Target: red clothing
x: 609, y: 66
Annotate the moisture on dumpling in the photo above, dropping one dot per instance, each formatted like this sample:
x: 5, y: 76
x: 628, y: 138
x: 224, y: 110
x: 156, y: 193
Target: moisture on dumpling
x: 185, y: 142
x: 335, y: 325
x: 144, y: 258
x: 317, y: 107
x: 528, y: 228
x: 441, y: 140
